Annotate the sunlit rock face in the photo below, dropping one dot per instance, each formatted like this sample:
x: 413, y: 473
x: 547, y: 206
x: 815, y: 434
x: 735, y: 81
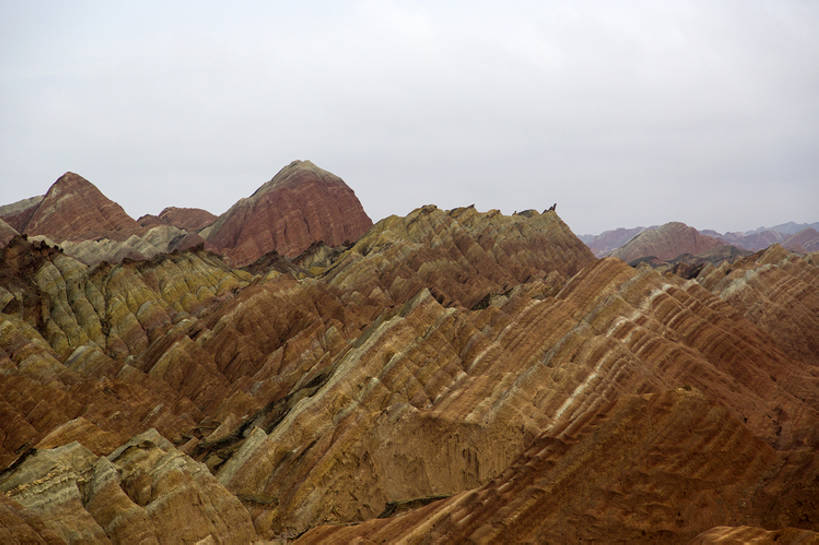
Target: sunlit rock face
x: 302, y: 204
x: 467, y: 376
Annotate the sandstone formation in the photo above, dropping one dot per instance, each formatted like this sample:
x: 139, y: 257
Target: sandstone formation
x: 302, y: 204
x: 189, y: 219
x: 666, y: 242
x: 448, y: 376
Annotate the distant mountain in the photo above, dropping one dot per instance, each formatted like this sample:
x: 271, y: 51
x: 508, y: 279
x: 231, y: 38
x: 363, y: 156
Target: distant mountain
x: 73, y: 209
x: 300, y: 205
x: 667, y: 242
x: 191, y: 219
x: 607, y: 241
x: 789, y: 228
x: 806, y: 240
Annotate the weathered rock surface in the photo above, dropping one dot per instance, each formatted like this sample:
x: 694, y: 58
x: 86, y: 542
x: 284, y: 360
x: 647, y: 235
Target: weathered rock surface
x: 189, y: 219
x: 302, y: 204
x: 666, y: 242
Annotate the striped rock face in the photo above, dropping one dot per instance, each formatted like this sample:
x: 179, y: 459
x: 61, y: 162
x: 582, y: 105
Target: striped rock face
x: 302, y: 204
x: 449, y: 376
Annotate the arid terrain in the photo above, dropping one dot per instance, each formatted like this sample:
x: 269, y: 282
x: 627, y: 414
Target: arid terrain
x: 290, y: 372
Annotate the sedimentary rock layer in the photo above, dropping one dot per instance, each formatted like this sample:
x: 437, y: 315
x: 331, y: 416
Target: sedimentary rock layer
x: 463, y: 375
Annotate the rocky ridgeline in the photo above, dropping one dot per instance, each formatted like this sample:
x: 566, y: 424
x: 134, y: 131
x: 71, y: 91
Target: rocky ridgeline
x: 447, y: 376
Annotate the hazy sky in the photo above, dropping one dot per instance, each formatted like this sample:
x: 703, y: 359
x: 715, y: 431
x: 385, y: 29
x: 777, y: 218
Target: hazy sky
x: 625, y: 113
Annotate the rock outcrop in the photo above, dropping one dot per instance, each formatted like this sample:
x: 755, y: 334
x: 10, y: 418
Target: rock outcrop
x: 302, y: 204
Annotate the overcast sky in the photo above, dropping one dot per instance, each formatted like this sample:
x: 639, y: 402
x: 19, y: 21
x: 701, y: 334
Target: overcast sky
x: 625, y: 113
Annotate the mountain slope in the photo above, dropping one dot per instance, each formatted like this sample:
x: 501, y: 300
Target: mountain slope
x: 484, y: 358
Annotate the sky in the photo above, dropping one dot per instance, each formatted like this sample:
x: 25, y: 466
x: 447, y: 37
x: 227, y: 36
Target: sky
x: 624, y: 113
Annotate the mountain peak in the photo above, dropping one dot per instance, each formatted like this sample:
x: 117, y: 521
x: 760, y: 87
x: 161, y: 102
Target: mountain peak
x: 75, y: 209
x: 300, y: 205
x: 666, y: 242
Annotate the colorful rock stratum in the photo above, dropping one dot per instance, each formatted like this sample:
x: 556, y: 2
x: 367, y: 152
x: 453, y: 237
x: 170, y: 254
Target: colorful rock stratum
x: 445, y: 377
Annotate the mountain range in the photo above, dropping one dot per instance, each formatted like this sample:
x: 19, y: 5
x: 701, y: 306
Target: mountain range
x: 290, y: 372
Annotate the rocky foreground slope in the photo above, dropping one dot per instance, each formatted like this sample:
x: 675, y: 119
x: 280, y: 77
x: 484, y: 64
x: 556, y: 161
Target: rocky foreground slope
x: 449, y: 376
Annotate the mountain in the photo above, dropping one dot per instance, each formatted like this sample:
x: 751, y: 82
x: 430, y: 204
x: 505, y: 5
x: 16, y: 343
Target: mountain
x: 666, y: 242
x: 789, y: 228
x: 189, y: 219
x: 806, y: 240
x: 450, y: 375
x: 300, y: 205
x: 608, y: 241
x: 73, y: 209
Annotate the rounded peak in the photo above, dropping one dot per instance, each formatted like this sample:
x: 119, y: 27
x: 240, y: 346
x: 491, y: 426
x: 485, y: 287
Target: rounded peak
x: 70, y: 181
x: 298, y: 172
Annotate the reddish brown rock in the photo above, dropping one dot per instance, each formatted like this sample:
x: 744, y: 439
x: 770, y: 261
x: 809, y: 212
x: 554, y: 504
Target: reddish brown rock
x: 74, y: 209
x: 190, y: 219
x: 302, y: 204
x: 666, y: 242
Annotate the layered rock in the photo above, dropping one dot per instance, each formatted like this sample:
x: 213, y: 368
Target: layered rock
x: 465, y: 375
x: 302, y: 204
x: 645, y: 472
